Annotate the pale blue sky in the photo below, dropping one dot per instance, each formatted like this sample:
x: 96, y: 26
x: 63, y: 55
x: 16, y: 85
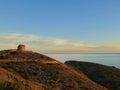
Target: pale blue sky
x: 93, y: 22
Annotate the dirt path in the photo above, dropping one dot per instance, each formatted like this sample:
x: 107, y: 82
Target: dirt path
x: 24, y: 60
x: 7, y: 60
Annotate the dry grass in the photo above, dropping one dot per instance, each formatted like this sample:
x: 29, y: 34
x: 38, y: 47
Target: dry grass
x: 104, y: 75
x: 44, y: 72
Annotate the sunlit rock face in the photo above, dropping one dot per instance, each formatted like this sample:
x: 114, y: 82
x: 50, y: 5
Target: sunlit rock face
x: 21, y: 48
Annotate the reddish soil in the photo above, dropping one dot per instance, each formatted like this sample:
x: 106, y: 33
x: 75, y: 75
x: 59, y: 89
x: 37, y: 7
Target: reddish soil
x: 7, y: 60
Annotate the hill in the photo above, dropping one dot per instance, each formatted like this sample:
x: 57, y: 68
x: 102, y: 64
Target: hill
x: 34, y: 71
x: 104, y: 75
x: 12, y: 81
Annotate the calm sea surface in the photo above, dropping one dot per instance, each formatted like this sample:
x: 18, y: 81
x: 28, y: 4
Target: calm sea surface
x: 106, y: 59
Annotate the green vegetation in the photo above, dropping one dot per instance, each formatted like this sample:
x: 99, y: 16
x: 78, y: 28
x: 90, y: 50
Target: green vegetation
x: 4, y: 66
x: 5, y: 86
x: 104, y: 75
x: 15, y: 86
x: 35, y: 71
x: 52, y: 76
x: 29, y: 55
x: 42, y: 71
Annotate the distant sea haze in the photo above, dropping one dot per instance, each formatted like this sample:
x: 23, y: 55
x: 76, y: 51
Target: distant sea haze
x: 105, y: 59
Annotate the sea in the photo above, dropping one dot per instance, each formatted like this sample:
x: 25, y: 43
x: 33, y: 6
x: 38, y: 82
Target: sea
x: 105, y: 59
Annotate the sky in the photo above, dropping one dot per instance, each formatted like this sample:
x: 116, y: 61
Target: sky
x: 61, y: 26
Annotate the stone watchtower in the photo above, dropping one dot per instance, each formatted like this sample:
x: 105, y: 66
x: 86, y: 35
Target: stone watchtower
x: 21, y: 48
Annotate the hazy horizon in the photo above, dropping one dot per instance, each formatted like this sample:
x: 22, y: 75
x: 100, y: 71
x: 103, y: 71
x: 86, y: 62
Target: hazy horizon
x: 62, y: 26
x: 105, y: 59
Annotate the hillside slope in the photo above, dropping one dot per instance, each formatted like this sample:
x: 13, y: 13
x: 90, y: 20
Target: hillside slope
x: 12, y: 81
x: 48, y: 73
x: 104, y: 75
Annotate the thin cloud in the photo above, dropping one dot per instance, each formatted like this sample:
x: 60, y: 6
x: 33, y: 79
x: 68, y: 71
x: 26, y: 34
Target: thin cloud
x: 35, y: 43
x: 18, y: 38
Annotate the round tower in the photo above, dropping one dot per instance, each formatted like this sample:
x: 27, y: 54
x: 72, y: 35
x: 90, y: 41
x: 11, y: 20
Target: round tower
x: 21, y: 48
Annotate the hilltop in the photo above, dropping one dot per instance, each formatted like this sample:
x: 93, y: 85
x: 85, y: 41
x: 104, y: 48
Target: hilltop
x: 27, y: 70
x: 105, y: 75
